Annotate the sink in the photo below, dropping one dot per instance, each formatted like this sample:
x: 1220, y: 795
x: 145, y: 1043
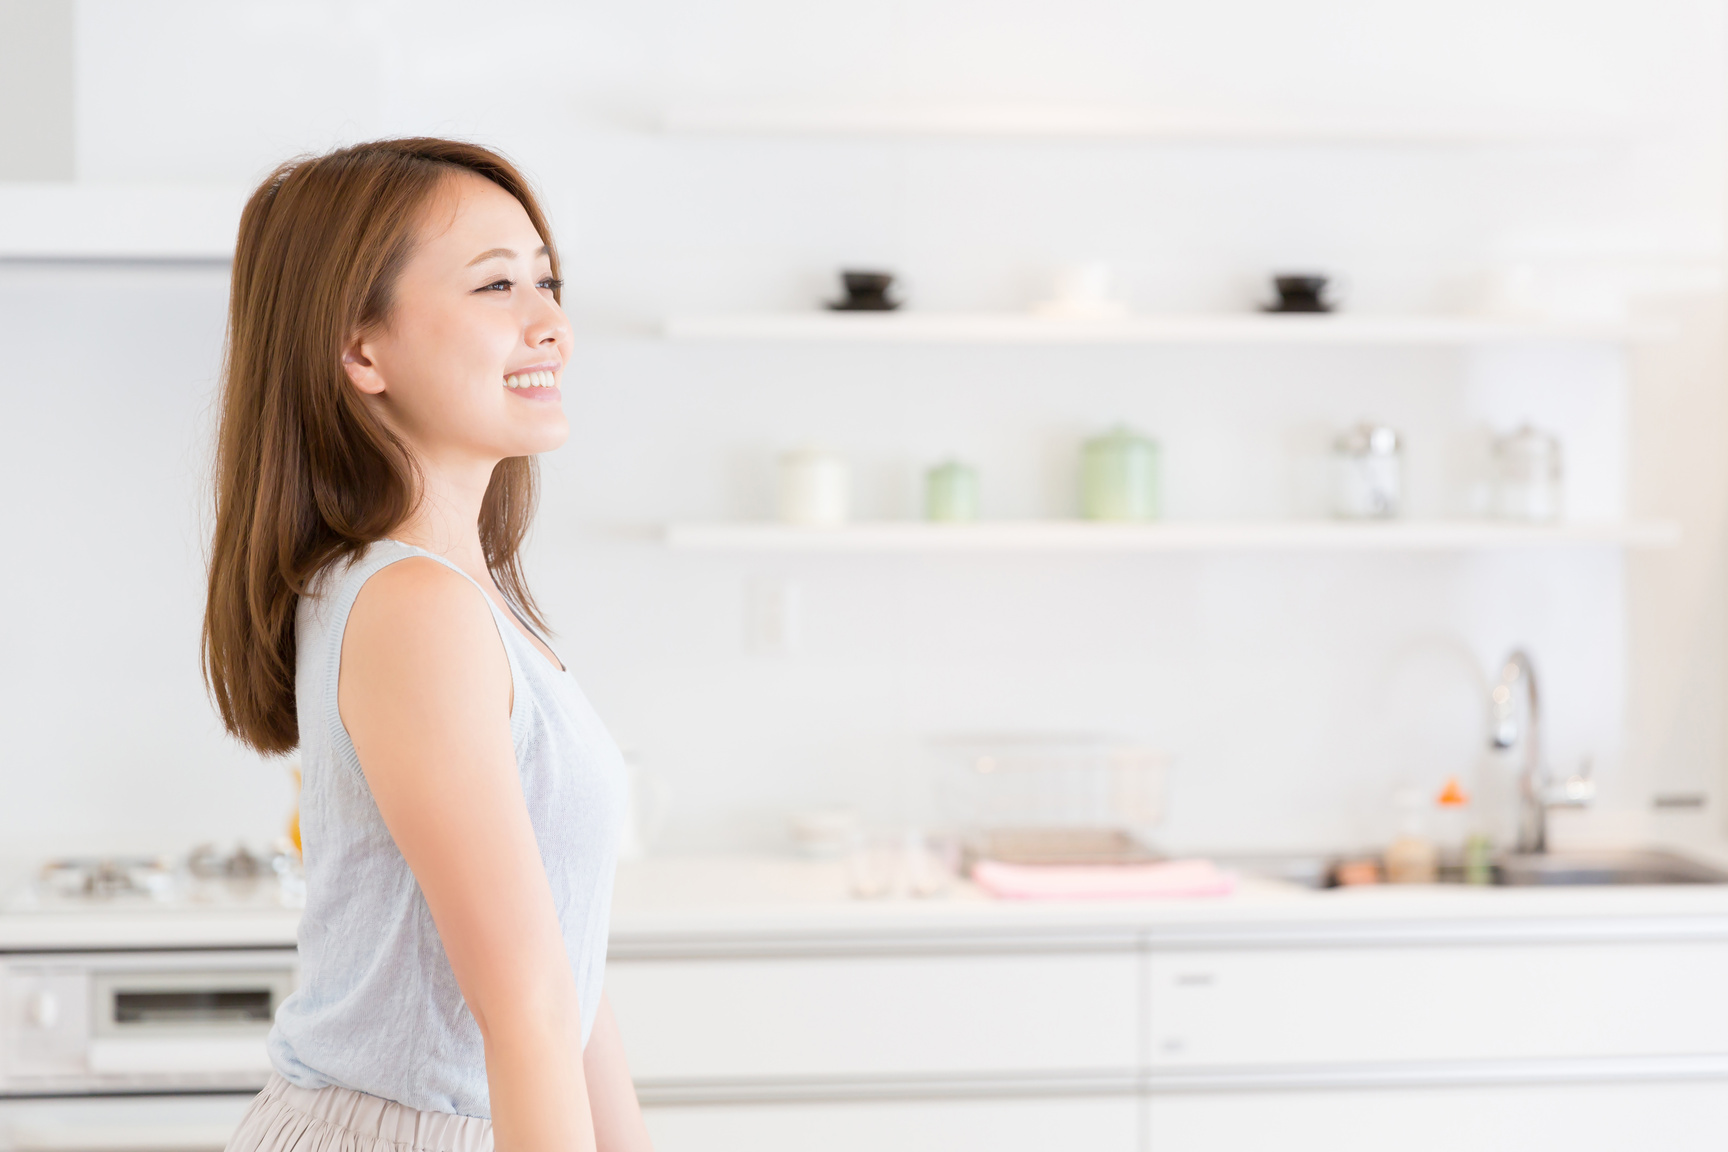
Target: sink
x: 1645, y: 866
x: 1579, y: 868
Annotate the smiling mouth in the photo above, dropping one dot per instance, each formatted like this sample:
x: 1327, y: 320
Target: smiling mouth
x: 541, y: 378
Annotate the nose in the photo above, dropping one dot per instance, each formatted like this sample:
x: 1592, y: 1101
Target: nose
x: 547, y: 326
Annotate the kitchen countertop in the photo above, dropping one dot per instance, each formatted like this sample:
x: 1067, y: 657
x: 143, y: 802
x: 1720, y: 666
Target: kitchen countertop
x: 703, y: 903
x: 723, y: 903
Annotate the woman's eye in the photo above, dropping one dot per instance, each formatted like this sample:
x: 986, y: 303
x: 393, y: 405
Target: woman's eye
x: 499, y: 286
x: 551, y: 283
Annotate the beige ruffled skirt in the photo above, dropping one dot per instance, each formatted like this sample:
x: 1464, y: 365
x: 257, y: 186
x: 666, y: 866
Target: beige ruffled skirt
x: 284, y: 1118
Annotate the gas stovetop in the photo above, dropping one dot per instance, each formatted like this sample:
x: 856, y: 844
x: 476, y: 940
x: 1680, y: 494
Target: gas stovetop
x: 204, y: 879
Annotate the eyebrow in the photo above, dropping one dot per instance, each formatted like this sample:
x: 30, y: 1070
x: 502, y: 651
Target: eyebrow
x: 506, y: 253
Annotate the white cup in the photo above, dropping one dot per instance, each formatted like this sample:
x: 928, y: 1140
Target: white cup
x: 646, y: 800
x: 820, y: 832
x: 1514, y: 292
x: 814, y: 489
x: 1083, y: 284
x: 1081, y: 291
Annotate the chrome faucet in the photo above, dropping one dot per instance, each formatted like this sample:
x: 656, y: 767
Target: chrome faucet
x: 1537, y: 792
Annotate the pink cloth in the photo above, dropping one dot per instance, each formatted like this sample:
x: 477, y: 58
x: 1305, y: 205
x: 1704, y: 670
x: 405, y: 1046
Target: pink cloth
x: 1102, y: 881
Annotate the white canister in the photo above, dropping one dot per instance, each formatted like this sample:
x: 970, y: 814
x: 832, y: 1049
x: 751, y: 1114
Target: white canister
x: 1368, y: 473
x: 814, y: 489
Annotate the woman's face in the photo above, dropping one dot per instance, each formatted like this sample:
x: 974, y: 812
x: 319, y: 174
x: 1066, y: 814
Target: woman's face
x: 468, y: 365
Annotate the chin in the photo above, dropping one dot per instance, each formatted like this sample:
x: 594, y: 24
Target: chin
x: 547, y: 439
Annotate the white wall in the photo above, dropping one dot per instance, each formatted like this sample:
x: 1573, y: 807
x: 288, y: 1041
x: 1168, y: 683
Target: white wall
x: 1294, y: 692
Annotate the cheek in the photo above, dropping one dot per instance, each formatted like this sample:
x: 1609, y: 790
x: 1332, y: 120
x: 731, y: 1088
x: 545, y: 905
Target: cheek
x: 456, y: 357
x: 482, y: 348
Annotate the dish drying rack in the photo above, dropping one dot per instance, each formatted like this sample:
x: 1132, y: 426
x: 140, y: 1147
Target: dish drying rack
x: 1051, y: 799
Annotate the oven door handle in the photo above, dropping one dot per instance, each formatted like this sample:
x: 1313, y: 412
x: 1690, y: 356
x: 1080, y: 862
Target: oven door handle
x: 158, y: 1056
x: 117, y: 1137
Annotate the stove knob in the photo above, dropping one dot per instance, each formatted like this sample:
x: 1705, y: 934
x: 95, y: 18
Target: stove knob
x: 42, y: 1009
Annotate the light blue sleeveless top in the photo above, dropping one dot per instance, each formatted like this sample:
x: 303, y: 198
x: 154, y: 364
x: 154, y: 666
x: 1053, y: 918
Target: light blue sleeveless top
x: 378, y: 1009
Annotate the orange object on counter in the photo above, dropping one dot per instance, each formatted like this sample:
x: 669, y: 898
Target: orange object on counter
x: 1453, y: 794
x: 294, y: 816
x: 1351, y: 873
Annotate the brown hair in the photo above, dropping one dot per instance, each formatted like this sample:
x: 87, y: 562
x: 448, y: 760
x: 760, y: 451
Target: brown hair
x: 306, y: 474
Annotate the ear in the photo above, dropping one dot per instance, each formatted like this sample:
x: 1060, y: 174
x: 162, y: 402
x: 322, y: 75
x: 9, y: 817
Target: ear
x: 357, y: 362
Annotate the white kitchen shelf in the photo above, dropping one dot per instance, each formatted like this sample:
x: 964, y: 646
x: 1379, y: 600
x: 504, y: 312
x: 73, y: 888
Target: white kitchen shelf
x: 126, y: 222
x: 1169, y: 536
x: 1118, y: 123
x: 1197, y: 328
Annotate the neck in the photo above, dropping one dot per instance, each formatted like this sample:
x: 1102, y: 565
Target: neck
x: 447, y: 518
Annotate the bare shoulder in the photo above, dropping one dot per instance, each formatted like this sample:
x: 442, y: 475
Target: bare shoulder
x: 419, y: 595
x: 417, y: 621
x: 424, y: 692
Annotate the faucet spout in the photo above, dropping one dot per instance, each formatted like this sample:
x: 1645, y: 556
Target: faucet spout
x: 1508, y: 731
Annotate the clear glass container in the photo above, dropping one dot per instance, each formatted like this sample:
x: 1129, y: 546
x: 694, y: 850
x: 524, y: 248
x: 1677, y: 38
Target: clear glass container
x: 1368, y: 473
x: 1527, y: 475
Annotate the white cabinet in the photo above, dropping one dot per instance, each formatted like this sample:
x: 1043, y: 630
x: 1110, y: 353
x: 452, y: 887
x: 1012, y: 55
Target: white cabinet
x: 802, y: 1017
x: 144, y: 1123
x: 1683, y: 1116
x: 1302, y: 1007
x: 1581, y: 1044
x: 1084, y: 1124
x: 1012, y: 1051
x: 1593, y: 1037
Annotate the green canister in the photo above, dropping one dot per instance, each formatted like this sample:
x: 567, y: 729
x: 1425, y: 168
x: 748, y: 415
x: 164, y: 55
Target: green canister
x: 951, y: 492
x: 1119, y: 476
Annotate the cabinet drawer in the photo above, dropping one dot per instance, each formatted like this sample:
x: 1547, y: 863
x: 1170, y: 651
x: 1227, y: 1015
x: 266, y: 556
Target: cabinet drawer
x: 1296, y: 1007
x: 877, y: 1016
x: 1672, y: 1117
x: 1099, y: 1124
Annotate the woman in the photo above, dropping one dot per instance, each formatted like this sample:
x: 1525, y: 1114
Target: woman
x: 395, y: 350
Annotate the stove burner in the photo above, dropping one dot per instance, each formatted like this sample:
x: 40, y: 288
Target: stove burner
x: 205, y: 877
x: 207, y: 863
x: 109, y: 878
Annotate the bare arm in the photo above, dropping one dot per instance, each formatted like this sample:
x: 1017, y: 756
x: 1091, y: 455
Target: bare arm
x: 425, y: 694
x: 618, y: 1123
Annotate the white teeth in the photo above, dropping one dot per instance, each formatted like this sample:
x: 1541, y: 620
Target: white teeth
x: 531, y: 380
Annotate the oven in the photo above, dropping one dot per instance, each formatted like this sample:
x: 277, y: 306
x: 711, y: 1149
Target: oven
x: 134, y: 1050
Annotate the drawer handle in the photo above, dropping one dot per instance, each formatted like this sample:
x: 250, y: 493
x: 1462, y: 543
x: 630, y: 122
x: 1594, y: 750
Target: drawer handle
x: 1194, y: 980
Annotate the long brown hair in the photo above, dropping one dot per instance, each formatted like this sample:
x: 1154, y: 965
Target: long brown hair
x: 306, y: 474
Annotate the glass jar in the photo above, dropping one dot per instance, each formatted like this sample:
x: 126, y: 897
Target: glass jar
x: 1527, y: 475
x: 951, y: 492
x: 1119, y: 477
x: 1368, y: 472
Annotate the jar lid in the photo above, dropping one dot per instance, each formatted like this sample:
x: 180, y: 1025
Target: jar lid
x: 1369, y: 439
x: 1527, y: 441
x: 1121, y: 436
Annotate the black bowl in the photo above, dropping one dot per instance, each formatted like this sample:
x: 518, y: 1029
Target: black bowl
x: 867, y: 283
x: 866, y: 292
x: 1300, y: 294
